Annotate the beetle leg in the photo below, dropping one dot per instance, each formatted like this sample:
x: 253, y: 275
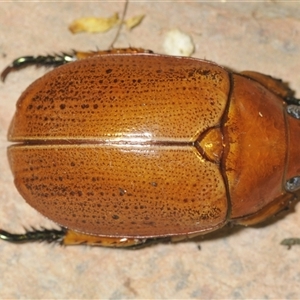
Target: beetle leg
x: 34, y: 235
x: 76, y: 238
x: 63, y: 58
x: 48, y: 60
x: 67, y: 237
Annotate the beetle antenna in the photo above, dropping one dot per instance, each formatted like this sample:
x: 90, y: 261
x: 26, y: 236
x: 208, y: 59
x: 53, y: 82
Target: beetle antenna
x: 120, y: 26
x: 34, y: 235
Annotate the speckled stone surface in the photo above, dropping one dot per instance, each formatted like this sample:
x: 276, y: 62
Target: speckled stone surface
x: 235, y: 263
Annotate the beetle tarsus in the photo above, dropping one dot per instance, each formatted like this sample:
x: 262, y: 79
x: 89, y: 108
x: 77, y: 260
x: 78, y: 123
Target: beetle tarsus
x: 34, y: 235
x: 48, y: 61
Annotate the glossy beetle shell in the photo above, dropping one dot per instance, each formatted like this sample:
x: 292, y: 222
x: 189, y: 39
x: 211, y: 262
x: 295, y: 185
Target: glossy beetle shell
x: 149, y: 145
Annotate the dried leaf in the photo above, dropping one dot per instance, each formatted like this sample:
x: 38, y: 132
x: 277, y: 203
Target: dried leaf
x: 93, y: 24
x: 134, y: 21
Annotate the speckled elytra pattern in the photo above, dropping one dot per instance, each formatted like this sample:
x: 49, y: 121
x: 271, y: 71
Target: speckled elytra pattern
x: 148, y: 145
x: 117, y: 96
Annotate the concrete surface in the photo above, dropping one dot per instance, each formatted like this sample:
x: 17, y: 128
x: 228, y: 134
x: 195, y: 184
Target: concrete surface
x: 238, y: 263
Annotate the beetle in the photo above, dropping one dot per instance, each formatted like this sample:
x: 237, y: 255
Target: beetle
x: 125, y: 147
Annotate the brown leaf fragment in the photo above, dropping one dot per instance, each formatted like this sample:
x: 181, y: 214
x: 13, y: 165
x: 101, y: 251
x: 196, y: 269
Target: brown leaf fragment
x: 93, y: 24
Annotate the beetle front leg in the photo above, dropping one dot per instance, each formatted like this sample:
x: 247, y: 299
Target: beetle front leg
x: 63, y: 58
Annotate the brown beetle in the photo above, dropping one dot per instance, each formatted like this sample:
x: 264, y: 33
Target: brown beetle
x: 127, y: 147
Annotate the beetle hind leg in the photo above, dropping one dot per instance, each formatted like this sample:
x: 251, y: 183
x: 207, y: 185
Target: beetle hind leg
x: 34, y: 235
x: 67, y: 237
x: 60, y: 59
x: 77, y: 238
x: 48, y: 61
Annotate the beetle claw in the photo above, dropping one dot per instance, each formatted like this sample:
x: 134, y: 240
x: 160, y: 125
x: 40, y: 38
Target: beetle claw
x: 5, y: 72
